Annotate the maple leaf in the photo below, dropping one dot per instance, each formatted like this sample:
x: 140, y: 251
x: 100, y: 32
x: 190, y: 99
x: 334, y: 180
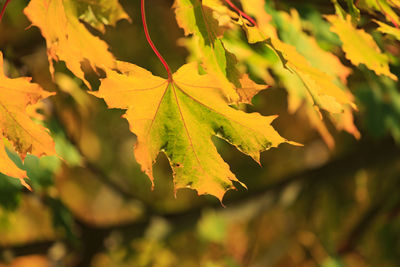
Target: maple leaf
x: 384, y: 28
x: 291, y: 32
x: 16, y: 126
x: 264, y: 27
x: 385, y: 7
x: 197, y: 19
x: 101, y: 12
x: 179, y: 117
x: 67, y: 38
x: 319, y: 89
x: 248, y: 89
x: 307, y: 74
x: 360, y: 47
x: 206, y: 21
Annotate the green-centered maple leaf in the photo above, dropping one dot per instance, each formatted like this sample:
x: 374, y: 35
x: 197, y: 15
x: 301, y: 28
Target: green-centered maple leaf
x: 179, y: 117
x: 360, y: 47
x: 66, y: 37
x: 16, y: 95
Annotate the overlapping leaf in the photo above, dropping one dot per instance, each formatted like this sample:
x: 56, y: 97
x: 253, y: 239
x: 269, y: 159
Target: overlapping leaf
x: 16, y: 126
x: 310, y: 75
x: 67, y: 38
x: 387, y: 29
x: 100, y: 12
x: 320, y: 91
x: 386, y: 7
x: 197, y: 19
x: 179, y: 118
x: 317, y: 77
x: 290, y: 30
x: 360, y: 47
x: 353, y: 10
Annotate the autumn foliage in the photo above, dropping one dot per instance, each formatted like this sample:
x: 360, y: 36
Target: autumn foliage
x: 178, y: 116
x: 236, y: 51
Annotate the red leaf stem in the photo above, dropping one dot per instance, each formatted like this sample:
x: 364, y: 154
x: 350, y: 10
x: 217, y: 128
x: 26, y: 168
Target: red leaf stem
x: 146, y: 31
x: 241, y: 12
x: 4, y: 9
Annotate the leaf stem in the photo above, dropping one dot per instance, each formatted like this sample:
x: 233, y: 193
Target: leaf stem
x: 241, y: 12
x: 4, y: 9
x: 146, y: 31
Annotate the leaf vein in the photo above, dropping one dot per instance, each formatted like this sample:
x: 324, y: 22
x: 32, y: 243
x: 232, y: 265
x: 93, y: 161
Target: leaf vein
x: 187, y: 130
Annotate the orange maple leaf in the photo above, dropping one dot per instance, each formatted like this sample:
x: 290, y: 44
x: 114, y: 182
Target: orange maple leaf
x: 16, y: 95
x: 67, y: 38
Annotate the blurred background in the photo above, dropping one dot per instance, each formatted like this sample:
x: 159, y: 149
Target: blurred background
x: 306, y: 206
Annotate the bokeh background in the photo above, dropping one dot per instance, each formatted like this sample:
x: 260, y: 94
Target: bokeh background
x: 306, y: 206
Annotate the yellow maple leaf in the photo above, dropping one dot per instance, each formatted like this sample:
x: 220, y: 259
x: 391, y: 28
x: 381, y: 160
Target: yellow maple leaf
x: 359, y: 46
x: 248, y: 89
x: 16, y: 95
x: 310, y: 76
x: 66, y: 37
x: 387, y: 29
